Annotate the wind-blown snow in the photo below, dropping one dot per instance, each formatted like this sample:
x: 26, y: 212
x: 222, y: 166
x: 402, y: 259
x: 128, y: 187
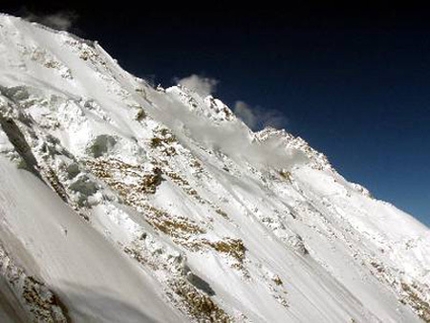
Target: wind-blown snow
x: 121, y: 202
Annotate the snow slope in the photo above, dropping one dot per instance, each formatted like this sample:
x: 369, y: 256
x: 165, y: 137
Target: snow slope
x: 121, y: 202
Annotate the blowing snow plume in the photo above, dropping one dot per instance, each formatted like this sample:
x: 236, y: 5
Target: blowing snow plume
x: 62, y: 20
x: 203, y: 86
x: 255, y: 118
x: 258, y: 118
x: 153, y: 205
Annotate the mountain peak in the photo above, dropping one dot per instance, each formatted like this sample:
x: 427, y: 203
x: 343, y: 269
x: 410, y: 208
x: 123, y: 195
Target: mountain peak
x: 124, y: 202
x: 205, y: 106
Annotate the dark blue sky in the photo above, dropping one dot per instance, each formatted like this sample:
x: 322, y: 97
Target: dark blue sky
x: 354, y: 82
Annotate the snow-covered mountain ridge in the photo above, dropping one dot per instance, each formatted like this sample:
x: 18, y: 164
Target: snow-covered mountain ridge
x: 120, y: 202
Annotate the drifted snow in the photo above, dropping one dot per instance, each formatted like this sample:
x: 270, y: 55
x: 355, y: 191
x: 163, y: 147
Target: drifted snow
x: 137, y: 204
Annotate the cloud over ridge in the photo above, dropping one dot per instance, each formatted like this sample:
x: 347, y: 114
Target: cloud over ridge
x: 62, y: 20
x: 258, y: 118
x: 203, y: 86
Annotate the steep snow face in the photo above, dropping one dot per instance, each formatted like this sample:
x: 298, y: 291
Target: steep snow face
x: 121, y: 202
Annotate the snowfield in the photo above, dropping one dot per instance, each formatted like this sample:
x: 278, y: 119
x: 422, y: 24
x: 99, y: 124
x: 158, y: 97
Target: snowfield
x: 120, y: 202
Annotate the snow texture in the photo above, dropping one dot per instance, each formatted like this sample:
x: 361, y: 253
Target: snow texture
x: 120, y: 202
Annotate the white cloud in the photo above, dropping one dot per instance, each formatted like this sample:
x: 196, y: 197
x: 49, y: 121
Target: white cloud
x: 245, y: 113
x: 203, y: 86
x: 62, y: 20
x: 258, y: 118
x: 255, y: 118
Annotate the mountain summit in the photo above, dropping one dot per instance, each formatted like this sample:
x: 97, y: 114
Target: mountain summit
x: 120, y: 202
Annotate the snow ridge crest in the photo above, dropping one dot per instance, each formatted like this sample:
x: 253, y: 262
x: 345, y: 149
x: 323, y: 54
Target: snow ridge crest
x: 165, y: 206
